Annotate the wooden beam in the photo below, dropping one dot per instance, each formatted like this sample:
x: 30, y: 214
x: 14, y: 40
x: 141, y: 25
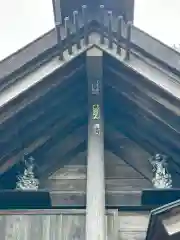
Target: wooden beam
x: 172, y: 225
x: 80, y: 160
x: 146, y: 142
x: 40, y: 127
x: 151, y: 98
x: 40, y: 109
x: 129, y: 151
x: 47, y: 118
x: 113, y: 199
x: 146, y: 123
x: 63, y: 151
x: 95, y: 198
x: 38, y: 144
x: 112, y: 185
x: 50, y: 83
x: 24, y: 108
x: 143, y: 140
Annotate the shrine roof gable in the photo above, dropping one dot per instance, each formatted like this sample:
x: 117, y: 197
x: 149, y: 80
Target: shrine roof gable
x: 45, y: 47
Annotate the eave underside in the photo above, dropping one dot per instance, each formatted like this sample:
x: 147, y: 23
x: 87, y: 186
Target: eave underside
x: 49, y: 121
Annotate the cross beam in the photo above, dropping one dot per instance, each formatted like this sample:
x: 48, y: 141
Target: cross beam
x: 95, y: 198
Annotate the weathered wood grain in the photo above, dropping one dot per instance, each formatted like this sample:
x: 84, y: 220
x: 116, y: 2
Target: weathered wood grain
x: 121, y: 172
x: 132, y: 153
x: 67, y: 198
x: 124, y: 235
x: 113, y: 198
x: 70, y: 224
x: 80, y: 159
x: 143, y: 130
x: 48, y: 128
x: 132, y: 225
x: 159, y: 115
x: 17, y: 227
x: 73, y: 227
x: 63, y: 147
x: 129, y: 151
x: 111, y: 158
x: 45, y: 104
x: 156, y: 133
x: 34, y: 145
x: 2, y: 226
x: 70, y: 172
x: 127, y: 184
x: 133, y: 221
x: 115, y: 168
x: 43, y: 87
x: 123, y: 198
x: 45, y: 230
x: 118, y: 184
x: 119, y: 175
x: 113, y: 171
x: 112, y: 224
x: 134, y: 84
x: 65, y: 185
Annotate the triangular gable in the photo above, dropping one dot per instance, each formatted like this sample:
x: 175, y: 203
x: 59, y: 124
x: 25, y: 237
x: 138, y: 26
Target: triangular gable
x: 136, y: 63
x: 115, y: 167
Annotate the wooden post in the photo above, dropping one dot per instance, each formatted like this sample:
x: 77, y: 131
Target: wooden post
x: 102, y: 24
x: 119, y: 34
x: 57, y: 11
x: 76, y: 23
x: 110, y: 31
x: 85, y: 21
x: 58, y: 22
x: 95, y: 200
x: 128, y: 40
x: 68, y: 34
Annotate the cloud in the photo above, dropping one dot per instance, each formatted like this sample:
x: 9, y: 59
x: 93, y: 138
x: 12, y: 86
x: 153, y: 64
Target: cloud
x: 160, y: 18
x: 22, y: 21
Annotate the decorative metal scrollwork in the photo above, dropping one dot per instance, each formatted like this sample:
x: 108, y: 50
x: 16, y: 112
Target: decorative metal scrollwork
x: 97, y: 129
x: 96, y: 112
x: 161, y: 176
x: 96, y: 88
x: 27, y: 181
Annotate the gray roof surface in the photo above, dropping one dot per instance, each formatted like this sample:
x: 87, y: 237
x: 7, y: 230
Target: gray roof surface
x: 140, y: 41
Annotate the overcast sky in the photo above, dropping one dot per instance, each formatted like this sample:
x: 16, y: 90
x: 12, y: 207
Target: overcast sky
x: 22, y: 21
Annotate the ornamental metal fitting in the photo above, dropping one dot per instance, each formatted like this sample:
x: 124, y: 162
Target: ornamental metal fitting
x: 161, y: 177
x: 27, y: 181
x: 97, y: 129
x: 96, y: 88
x: 96, y: 112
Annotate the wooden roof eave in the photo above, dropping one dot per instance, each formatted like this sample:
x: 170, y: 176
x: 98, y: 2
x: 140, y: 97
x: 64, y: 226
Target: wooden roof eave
x: 37, y: 84
x: 119, y: 60
x: 45, y: 47
x: 10, y: 118
x: 138, y: 63
x: 36, y: 54
x: 155, y: 111
x: 122, y: 61
x: 160, y: 214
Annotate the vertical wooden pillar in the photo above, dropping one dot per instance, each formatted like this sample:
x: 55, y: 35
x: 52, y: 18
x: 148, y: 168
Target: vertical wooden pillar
x: 57, y: 11
x: 95, y: 210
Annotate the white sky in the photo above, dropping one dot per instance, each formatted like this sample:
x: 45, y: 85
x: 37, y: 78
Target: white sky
x: 22, y: 21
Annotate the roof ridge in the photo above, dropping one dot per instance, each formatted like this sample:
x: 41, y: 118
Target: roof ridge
x: 27, y: 45
x: 140, y: 41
